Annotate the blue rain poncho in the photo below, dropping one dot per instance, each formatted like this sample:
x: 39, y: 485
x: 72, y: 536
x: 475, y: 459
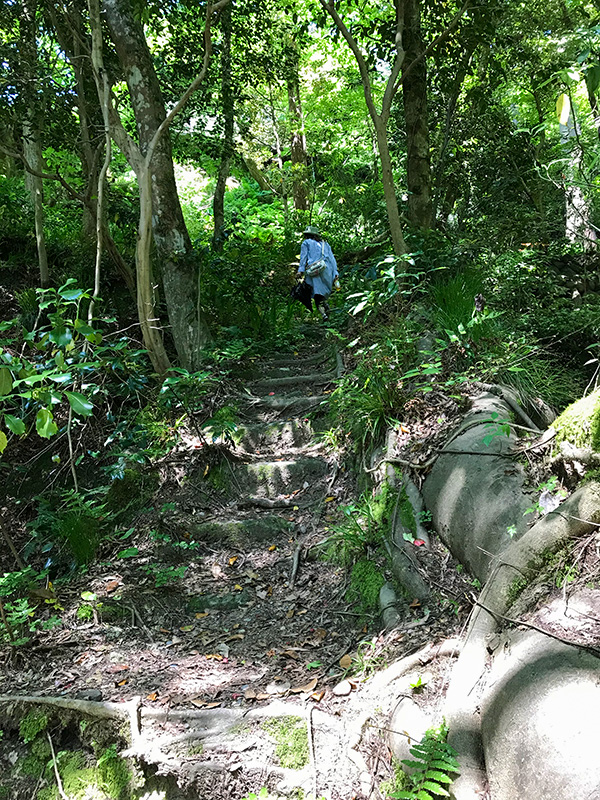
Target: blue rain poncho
x: 311, y: 251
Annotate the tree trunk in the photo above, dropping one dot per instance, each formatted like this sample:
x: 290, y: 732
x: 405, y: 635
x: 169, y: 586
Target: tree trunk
x: 389, y: 189
x: 418, y: 164
x: 32, y: 134
x: 189, y: 329
x: 227, y: 149
x: 298, y: 139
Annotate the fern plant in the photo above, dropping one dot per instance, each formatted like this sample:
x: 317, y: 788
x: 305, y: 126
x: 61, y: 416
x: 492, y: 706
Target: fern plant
x: 435, y: 761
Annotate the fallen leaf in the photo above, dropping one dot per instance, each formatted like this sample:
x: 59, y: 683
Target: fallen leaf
x: 203, y: 703
x: 273, y: 547
x: 238, y: 588
x: 250, y: 694
x: 303, y: 611
x: 342, y: 689
x: 404, y: 429
x: 186, y: 628
x: 263, y: 696
x: 214, y: 656
x: 232, y: 560
x: 419, y: 542
x: 318, y: 696
x: 206, y: 470
x: 271, y: 394
x: 290, y: 613
x: 121, y: 683
x: 346, y: 661
x: 290, y: 654
x: 119, y: 668
x: 201, y: 614
x: 308, y: 687
x: 296, y: 508
x: 235, y: 636
x: 329, y: 499
x: 415, y: 603
x: 111, y: 586
x: 164, y: 630
x: 249, y: 573
x: 261, y: 594
x: 153, y: 696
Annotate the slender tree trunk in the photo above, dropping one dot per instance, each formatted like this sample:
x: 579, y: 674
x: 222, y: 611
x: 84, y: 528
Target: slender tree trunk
x: 283, y: 188
x: 189, y: 329
x: 228, y: 114
x: 389, y: 188
x: 418, y: 162
x: 297, y: 136
x: 32, y: 133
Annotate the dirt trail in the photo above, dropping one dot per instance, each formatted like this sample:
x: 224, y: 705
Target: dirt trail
x: 254, y: 630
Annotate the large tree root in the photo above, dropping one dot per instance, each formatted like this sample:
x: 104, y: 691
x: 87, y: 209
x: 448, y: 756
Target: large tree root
x: 576, y: 517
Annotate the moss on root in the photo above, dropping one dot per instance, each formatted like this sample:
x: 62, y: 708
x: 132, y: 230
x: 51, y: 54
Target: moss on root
x: 580, y: 422
x: 291, y: 736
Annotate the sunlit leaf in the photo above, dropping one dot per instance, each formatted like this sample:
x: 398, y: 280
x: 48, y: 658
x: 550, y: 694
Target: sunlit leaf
x: 80, y: 404
x: 44, y: 423
x: 14, y: 424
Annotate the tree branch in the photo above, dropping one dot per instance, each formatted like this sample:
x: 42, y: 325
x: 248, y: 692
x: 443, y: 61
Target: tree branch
x: 360, y: 59
x: 441, y: 38
x: 210, y: 10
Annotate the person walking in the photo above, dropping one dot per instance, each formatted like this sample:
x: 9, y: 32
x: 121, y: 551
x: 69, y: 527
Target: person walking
x: 319, y: 267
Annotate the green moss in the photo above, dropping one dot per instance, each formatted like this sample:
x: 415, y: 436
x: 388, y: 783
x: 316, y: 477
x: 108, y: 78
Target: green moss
x: 133, y: 491
x: 290, y: 734
x: 515, y: 589
x: 399, y: 782
x: 85, y: 612
x: 580, y: 422
x: 218, y: 479
x: 35, y: 722
x: 365, y: 582
x: 115, y: 774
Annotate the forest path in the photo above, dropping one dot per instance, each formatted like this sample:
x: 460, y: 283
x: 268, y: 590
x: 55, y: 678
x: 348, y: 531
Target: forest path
x: 217, y: 620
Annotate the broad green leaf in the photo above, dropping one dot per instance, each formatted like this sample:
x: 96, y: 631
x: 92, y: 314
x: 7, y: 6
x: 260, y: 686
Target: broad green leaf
x: 6, y: 381
x: 14, y: 424
x: 80, y: 404
x: 129, y: 552
x: 592, y: 78
x: 563, y: 108
x: 89, y: 596
x: 3, y: 442
x: 61, y: 335
x: 44, y: 423
x: 423, y: 795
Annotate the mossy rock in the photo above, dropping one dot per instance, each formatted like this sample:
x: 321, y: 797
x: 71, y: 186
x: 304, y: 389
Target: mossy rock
x: 131, y: 492
x: 580, y: 422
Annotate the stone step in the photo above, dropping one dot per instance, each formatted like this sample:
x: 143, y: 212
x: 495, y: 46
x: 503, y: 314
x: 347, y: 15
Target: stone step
x: 292, y: 381
x: 237, y: 532
x: 268, y: 479
x: 291, y: 405
x: 278, y: 437
x: 302, y: 360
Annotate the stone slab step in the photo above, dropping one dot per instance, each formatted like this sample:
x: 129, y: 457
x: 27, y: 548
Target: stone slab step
x: 291, y: 405
x: 274, y: 436
x: 237, y: 532
x: 292, y: 381
x: 268, y: 479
